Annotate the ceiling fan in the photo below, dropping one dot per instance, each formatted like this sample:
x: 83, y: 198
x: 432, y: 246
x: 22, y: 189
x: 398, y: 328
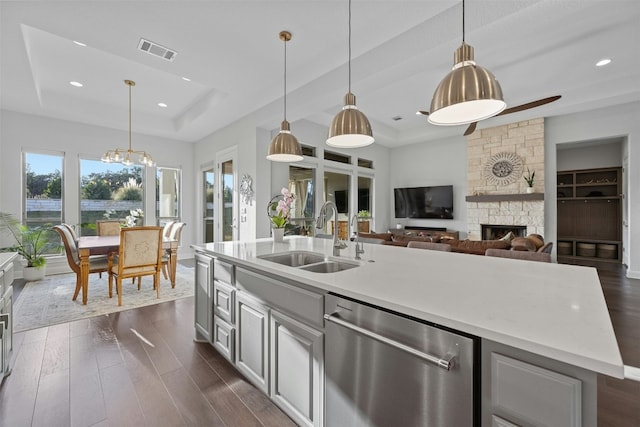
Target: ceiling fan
x: 516, y: 109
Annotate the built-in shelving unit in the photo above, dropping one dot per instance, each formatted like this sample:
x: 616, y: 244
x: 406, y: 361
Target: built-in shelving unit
x: 589, y: 216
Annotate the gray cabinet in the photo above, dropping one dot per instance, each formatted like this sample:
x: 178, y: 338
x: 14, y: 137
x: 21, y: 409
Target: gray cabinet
x: 203, y: 293
x: 6, y: 312
x: 296, y: 356
x: 523, y: 389
x: 252, y: 325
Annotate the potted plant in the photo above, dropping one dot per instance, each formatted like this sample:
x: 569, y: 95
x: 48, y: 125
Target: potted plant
x: 279, y: 210
x: 30, y: 242
x: 529, y: 178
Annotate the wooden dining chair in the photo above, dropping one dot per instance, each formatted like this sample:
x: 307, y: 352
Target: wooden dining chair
x: 97, y: 263
x: 174, y: 234
x: 108, y: 227
x: 139, y: 254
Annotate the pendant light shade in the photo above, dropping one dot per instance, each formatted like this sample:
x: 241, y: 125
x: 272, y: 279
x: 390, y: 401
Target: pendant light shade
x: 350, y: 128
x: 469, y: 93
x: 285, y: 147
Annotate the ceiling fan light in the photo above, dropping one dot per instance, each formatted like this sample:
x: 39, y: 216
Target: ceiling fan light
x: 350, y: 128
x: 285, y: 147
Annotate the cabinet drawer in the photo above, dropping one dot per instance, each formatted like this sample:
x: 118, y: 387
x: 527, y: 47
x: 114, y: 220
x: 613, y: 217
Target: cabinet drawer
x: 303, y: 304
x: 224, y: 338
x: 557, y: 400
x: 223, y: 271
x: 224, y: 301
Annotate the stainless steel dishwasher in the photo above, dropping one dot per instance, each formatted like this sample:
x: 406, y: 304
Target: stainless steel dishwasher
x: 386, y: 369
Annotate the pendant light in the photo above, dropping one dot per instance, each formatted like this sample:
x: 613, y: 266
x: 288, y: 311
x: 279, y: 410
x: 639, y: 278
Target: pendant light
x: 469, y: 93
x: 285, y: 147
x: 350, y: 128
x: 122, y: 155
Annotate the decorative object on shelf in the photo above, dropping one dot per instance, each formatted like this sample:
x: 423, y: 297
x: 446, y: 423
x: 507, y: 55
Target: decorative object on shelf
x: 285, y: 147
x: 30, y: 242
x: 350, y: 128
x: 122, y: 155
x: 364, y: 214
x: 467, y: 94
x: 278, y: 211
x: 246, y: 188
x: 503, y: 168
x: 134, y: 218
x: 529, y: 176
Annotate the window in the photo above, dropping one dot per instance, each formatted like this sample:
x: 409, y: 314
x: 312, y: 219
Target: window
x: 336, y: 157
x: 167, y: 195
x: 43, y: 179
x: 337, y: 190
x: 108, y: 191
x: 365, y: 191
x: 364, y: 163
x: 302, y: 185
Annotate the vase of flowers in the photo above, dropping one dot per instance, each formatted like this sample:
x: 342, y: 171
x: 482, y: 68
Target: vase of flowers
x: 134, y: 218
x: 529, y: 178
x: 278, y: 211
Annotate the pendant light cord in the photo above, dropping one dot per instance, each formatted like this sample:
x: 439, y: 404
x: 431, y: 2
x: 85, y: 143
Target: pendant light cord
x: 462, y: 21
x: 129, y: 118
x: 285, y: 79
x: 349, y: 46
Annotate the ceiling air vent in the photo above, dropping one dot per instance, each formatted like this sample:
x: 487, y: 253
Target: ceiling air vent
x: 157, y: 50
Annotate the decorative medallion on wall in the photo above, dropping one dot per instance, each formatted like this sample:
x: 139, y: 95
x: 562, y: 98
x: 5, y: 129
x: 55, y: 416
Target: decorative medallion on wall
x: 246, y: 190
x: 503, y: 168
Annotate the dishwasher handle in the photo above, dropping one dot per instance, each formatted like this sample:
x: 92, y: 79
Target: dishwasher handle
x: 446, y: 362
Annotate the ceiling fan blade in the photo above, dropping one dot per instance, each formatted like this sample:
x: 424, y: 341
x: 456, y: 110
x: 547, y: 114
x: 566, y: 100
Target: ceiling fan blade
x: 471, y: 128
x: 422, y: 113
x: 528, y: 105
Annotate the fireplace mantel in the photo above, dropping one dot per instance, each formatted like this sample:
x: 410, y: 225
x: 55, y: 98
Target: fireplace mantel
x: 487, y: 198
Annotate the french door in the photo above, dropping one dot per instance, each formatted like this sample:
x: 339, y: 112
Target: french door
x: 227, y: 195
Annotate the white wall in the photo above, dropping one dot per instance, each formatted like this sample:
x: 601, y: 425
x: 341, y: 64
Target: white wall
x: 600, y: 155
x: 22, y: 132
x: 442, y: 162
x: 613, y: 122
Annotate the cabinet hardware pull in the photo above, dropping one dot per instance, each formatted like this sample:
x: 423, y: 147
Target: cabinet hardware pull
x: 446, y: 362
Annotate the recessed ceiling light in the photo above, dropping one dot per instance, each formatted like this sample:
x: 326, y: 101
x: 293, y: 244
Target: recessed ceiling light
x: 76, y: 84
x: 79, y: 43
x: 162, y: 104
x: 186, y: 79
x: 603, y: 62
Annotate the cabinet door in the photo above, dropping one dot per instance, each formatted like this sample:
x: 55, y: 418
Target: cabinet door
x: 252, y: 352
x: 203, y: 296
x: 224, y: 338
x: 223, y: 301
x: 297, y: 369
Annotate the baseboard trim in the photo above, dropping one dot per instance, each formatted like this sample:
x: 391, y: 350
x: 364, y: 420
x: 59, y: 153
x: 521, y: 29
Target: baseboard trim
x: 633, y: 274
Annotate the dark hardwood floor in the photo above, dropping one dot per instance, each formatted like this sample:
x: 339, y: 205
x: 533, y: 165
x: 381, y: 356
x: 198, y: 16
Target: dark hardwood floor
x: 142, y: 367
x: 134, y: 368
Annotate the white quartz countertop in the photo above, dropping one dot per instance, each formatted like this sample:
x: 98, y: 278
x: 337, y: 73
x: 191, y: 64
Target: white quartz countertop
x: 554, y: 310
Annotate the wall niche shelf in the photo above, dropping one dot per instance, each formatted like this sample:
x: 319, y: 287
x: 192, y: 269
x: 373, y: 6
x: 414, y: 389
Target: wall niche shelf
x: 589, y: 216
x: 487, y: 198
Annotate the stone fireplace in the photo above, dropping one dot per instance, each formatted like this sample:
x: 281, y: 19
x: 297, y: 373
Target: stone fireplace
x: 492, y: 201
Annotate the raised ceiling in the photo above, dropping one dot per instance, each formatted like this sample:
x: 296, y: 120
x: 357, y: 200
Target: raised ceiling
x: 231, y: 52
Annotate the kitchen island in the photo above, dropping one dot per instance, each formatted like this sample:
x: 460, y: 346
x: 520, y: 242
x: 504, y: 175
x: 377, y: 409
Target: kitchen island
x: 533, y: 321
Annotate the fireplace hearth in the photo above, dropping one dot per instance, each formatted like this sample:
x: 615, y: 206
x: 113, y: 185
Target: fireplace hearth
x: 497, y: 231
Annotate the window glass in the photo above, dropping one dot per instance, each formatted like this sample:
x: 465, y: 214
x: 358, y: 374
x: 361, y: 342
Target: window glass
x: 108, y: 191
x: 336, y: 187
x: 167, y: 195
x: 365, y: 215
x: 43, y: 195
x: 302, y: 185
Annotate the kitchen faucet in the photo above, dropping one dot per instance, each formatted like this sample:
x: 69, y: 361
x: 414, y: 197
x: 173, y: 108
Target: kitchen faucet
x: 321, y: 221
x: 359, y: 245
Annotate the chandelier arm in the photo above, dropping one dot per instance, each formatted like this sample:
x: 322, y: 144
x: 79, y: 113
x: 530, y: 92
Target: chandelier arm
x: 285, y: 79
x: 462, y: 21
x: 349, y: 46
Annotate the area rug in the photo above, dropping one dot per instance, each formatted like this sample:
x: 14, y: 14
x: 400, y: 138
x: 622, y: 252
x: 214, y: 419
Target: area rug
x: 48, y: 301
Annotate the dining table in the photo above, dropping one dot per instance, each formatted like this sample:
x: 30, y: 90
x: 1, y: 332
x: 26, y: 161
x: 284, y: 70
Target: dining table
x: 104, y: 245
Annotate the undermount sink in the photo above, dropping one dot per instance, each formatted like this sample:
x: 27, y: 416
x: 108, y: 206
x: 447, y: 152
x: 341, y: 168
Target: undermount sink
x: 309, y: 261
x: 329, y: 266
x: 294, y: 258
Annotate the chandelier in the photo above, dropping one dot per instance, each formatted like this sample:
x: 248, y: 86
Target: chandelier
x: 122, y: 155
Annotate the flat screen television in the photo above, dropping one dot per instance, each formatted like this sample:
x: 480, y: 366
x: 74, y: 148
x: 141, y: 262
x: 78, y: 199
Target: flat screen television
x: 424, y: 202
